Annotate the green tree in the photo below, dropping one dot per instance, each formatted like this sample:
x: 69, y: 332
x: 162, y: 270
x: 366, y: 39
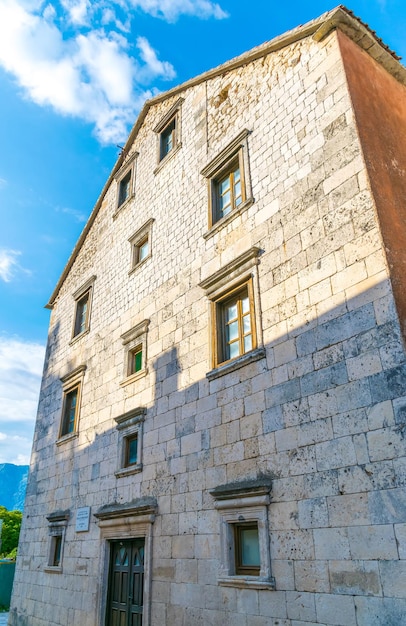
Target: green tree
x: 10, y: 531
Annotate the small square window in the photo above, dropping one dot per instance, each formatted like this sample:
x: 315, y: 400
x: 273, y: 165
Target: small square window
x: 83, y: 299
x: 124, y: 188
x: 70, y: 412
x: 129, y: 428
x: 168, y: 138
x: 229, y: 182
x: 235, y: 324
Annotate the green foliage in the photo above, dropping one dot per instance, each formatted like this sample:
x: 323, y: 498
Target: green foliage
x: 10, y: 531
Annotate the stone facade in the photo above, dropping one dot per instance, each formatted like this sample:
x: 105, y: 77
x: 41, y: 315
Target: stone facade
x: 304, y: 435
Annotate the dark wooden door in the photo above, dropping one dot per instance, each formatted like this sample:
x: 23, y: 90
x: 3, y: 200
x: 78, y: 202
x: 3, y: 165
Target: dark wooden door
x: 126, y: 583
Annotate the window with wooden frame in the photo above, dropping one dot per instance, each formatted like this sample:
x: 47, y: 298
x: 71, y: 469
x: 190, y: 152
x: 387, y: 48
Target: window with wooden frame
x: 135, y: 357
x: 57, y: 528
x: 246, y: 546
x: 168, y: 131
x: 244, y: 533
x: 83, y: 303
x: 229, y: 182
x: 125, y: 179
x: 235, y: 323
x: 130, y: 426
x: 72, y: 388
x: 141, y: 245
x: 236, y: 336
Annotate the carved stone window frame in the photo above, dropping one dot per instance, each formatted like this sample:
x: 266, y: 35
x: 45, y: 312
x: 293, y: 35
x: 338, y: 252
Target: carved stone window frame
x: 71, y: 381
x: 132, y: 339
x: 241, y: 271
x: 172, y: 116
x: 128, y: 168
x: 136, y: 240
x: 57, y: 523
x: 237, y: 503
x: 129, y: 424
x: 224, y: 163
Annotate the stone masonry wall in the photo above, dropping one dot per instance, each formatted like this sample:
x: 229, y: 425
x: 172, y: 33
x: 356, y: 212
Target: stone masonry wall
x: 323, y: 413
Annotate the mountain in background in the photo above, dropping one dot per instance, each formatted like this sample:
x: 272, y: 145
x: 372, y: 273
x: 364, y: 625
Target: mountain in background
x: 13, y: 483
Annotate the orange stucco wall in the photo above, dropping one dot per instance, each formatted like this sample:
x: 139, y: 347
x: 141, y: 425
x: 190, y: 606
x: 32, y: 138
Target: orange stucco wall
x: 379, y: 103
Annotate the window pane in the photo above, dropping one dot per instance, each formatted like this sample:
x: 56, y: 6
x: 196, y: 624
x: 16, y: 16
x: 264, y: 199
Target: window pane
x: 232, y: 312
x: 70, y: 411
x: 224, y: 185
x: 136, y: 361
x: 225, y: 200
x: 143, y: 251
x: 81, y: 315
x: 247, y: 343
x: 233, y: 331
x: 234, y: 350
x: 249, y: 546
x: 246, y: 321
x: 132, y: 448
x: 237, y: 176
x: 245, y: 303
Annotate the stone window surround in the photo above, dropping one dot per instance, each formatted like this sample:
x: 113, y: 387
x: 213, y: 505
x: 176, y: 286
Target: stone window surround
x: 240, y: 270
x: 236, y: 149
x: 246, y: 501
x: 58, y: 522
x: 126, y: 521
x: 136, y: 336
x: 128, y: 425
x: 145, y: 232
x: 128, y: 165
x: 69, y: 382
x: 87, y: 287
x: 173, y: 113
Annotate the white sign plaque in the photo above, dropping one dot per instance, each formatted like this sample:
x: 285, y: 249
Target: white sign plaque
x: 82, y: 519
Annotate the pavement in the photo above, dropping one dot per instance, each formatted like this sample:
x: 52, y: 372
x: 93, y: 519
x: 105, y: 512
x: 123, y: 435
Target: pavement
x: 3, y: 619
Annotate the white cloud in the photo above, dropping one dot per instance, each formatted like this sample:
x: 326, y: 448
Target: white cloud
x: 77, y: 215
x: 8, y: 264
x: 78, y: 57
x: 21, y: 365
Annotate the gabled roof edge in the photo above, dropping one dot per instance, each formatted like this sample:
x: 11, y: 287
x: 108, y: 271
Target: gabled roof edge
x: 319, y: 28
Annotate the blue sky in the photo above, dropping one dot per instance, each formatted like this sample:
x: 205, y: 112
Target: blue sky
x: 73, y: 76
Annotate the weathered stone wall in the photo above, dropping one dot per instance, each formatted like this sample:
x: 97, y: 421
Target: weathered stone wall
x: 323, y: 413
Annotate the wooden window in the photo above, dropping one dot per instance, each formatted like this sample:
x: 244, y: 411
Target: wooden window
x: 130, y: 426
x: 70, y: 411
x: 56, y: 551
x: 83, y: 304
x: 135, y: 362
x: 229, y: 182
x: 124, y: 188
x: 131, y: 450
x: 235, y: 324
x: 82, y: 314
x: 246, y: 547
x: 141, y: 243
x: 57, y: 527
x: 168, y: 132
x: 72, y: 387
x: 228, y: 190
x: 135, y: 352
x: 168, y: 138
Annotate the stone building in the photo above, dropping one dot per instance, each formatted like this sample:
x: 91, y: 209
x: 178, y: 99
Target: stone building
x: 221, y: 429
